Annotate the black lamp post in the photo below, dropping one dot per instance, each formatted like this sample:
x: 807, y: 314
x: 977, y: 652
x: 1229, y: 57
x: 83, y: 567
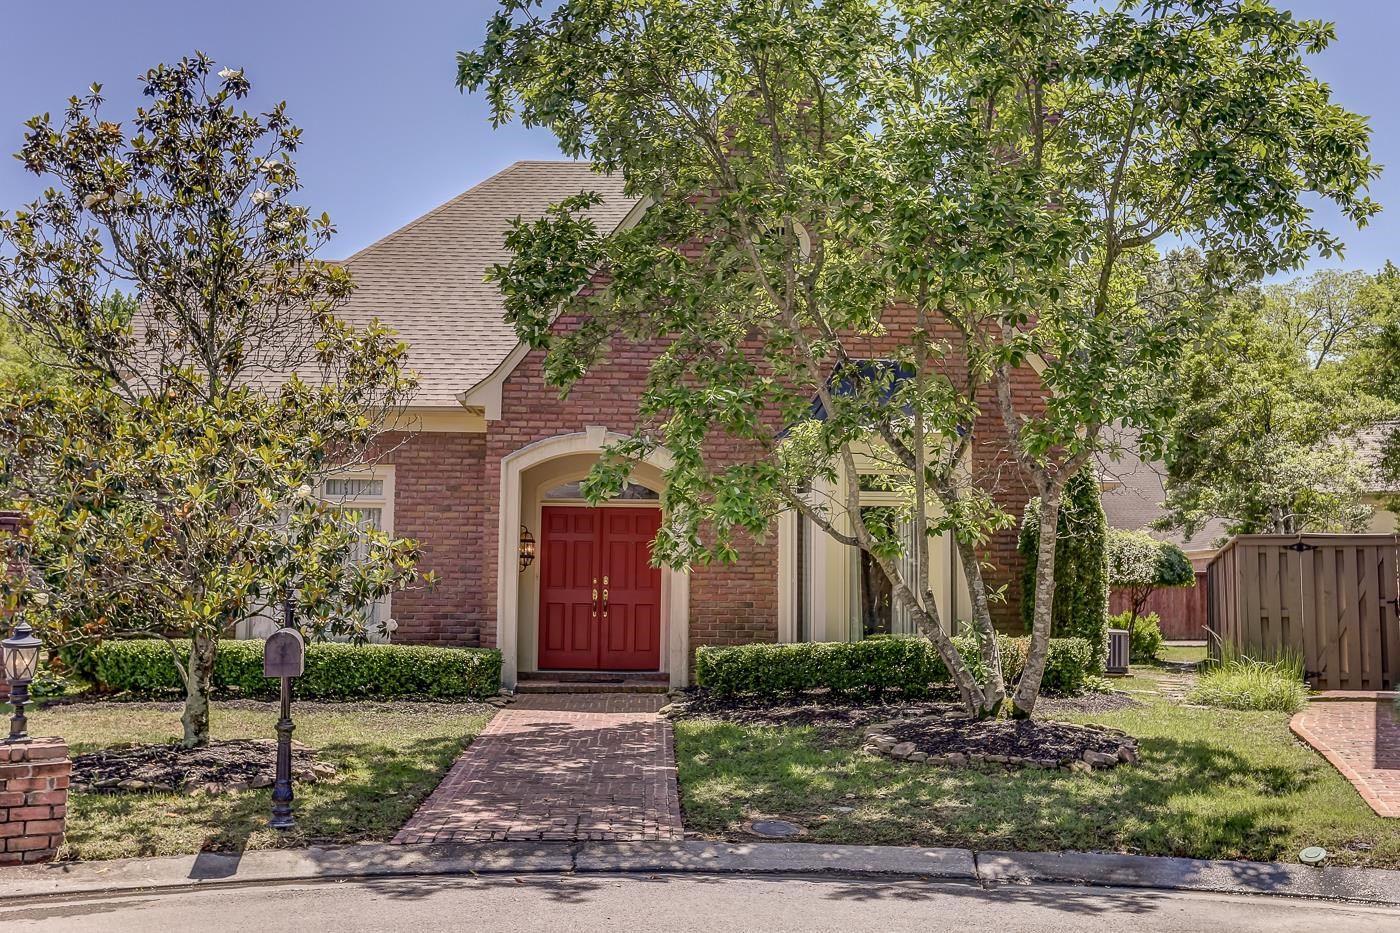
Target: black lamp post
x: 21, y: 657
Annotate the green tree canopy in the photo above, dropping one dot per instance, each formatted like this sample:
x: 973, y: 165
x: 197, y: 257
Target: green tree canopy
x: 975, y: 187
x: 1263, y: 437
x: 1140, y: 564
x: 175, y: 484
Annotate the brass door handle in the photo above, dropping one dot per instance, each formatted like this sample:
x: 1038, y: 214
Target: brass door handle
x: 605, y: 597
x: 595, y: 597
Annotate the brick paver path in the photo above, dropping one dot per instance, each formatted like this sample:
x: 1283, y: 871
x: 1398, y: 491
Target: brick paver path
x: 1361, y: 738
x: 564, y: 767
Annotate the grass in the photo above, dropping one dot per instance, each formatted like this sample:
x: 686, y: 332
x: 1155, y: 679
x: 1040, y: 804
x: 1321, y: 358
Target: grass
x: 1243, y: 683
x: 1182, y: 654
x: 389, y: 756
x: 1212, y: 784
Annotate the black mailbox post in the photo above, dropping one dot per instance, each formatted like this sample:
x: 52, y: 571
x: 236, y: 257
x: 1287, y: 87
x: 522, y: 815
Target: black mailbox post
x: 284, y: 657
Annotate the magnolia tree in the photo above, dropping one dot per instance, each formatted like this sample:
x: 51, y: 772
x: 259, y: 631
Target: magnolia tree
x: 173, y: 480
x: 871, y: 222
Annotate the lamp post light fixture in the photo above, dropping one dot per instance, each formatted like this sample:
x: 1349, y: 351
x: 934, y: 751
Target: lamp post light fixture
x: 21, y: 659
x: 527, y: 548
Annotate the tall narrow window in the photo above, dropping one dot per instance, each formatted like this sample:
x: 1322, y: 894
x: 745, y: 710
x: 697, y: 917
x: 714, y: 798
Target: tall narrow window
x: 877, y: 611
x: 371, y: 498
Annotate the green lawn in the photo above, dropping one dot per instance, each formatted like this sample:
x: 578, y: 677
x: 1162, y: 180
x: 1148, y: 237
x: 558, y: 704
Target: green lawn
x: 389, y: 757
x: 1212, y: 784
x: 1182, y: 653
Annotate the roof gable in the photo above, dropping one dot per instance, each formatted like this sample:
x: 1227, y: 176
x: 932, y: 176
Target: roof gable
x: 426, y: 280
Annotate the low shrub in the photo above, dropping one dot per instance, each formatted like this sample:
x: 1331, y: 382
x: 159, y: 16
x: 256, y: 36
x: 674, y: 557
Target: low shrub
x: 334, y: 671
x: 1246, y: 683
x: 1144, y: 635
x: 911, y: 666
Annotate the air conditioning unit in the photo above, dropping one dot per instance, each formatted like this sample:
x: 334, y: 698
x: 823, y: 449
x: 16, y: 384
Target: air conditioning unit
x: 1118, y: 650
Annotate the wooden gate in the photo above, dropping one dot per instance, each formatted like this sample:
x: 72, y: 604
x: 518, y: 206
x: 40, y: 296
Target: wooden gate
x: 1331, y: 598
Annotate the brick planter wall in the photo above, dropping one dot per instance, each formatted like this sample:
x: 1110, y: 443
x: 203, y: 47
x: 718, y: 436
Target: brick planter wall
x: 34, y: 778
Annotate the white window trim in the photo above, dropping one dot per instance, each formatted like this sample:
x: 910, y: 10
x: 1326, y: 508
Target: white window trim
x: 385, y: 503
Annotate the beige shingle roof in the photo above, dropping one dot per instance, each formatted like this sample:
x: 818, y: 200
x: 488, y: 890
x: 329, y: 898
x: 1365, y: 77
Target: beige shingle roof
x: 1138, y: 492
x: 427, y: 279
x: 1371, y: 445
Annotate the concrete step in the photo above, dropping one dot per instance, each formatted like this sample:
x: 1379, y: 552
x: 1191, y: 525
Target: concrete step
x: 573, y: 686
x: 597, y: 677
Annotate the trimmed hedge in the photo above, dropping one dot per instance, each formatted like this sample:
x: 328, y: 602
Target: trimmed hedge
x: 910, y: 665
x: 334, y: 671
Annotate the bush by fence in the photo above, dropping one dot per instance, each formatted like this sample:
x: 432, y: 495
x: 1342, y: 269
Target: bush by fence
x: 334, y: 671
x: 910, y: 666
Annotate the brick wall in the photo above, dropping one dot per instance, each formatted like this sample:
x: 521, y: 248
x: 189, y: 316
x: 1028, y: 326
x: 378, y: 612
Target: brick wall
x: 34, y: 778
x: 439, y: 499
x: 732, y: 604
x: 728, y: 605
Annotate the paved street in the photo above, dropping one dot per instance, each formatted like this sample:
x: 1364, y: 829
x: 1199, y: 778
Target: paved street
x: 678, y: 904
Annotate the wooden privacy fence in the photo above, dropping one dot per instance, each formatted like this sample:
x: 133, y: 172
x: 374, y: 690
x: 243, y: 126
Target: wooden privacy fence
x: 1330, y: 598
x: 1182, y: 609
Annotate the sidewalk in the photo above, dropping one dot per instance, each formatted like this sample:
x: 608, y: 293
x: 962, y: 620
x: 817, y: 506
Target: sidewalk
x: 559, y: 768
x: 1359, y: 734
x: 1373, y: 886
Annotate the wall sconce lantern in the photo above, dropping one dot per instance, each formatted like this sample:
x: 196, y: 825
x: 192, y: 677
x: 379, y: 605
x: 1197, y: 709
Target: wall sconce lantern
x: 527, y: 548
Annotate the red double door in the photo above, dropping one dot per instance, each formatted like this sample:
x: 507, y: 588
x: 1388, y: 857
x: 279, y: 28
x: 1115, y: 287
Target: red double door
x: 600, y: 598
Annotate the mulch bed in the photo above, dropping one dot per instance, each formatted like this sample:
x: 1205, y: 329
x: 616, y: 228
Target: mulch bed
x: 1022, y: 743
x: 936, y: 730
x: 237, y: 764
x: 816, y: 709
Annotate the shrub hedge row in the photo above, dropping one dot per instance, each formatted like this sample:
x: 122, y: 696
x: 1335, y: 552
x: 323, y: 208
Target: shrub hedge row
x: 911, y: 666
x: 334, y: 671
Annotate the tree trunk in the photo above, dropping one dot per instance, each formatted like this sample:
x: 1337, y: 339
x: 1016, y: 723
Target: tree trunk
x: 199, y: 678
x: 1028, y: 688
x: 994, y: 690
x: 973, y: 696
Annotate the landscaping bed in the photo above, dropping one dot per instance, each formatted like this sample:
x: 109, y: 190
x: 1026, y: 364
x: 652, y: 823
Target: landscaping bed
x: 957, y: 741
x: 220, y: 767
x: 819, y: 708
x: 388, y: 756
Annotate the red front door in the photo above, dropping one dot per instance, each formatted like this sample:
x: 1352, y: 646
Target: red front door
x: 600, y: 599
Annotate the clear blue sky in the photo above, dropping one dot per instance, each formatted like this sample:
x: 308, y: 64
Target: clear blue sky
x: 387, y: 135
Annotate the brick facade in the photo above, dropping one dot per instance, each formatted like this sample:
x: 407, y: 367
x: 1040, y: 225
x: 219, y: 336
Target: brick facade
x: 34, y: 778
x: 448, y: 491
x: 440, y: 500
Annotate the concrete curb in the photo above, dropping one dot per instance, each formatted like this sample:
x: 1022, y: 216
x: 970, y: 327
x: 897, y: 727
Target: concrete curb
x: 1371, y: 886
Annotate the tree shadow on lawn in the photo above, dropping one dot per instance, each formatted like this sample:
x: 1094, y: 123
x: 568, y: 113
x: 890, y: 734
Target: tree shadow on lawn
x: 1188, y: 797
x: 377, y: 788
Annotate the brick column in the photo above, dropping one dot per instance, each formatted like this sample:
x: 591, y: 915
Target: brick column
x: 34, y: 779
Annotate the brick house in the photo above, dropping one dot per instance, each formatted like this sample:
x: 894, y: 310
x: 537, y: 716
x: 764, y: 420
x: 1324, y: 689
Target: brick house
x: 488, y: 455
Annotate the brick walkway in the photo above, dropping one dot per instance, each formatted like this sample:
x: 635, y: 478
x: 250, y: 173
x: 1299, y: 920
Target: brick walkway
x: 1361, y: 738
x: 564, y: 767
